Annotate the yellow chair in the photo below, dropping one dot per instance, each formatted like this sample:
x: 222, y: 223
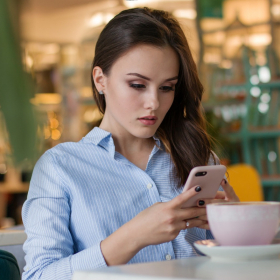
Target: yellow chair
x: 246, y: 182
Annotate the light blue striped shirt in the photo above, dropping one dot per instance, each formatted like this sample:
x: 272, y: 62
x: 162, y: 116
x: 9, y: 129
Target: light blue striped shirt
x: 82, y: 192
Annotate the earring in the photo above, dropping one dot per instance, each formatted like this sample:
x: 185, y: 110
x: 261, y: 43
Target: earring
x: 101, y: 92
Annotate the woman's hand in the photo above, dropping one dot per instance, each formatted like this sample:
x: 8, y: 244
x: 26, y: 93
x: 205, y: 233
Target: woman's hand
x: 228, y: 195
x: 163, y: 221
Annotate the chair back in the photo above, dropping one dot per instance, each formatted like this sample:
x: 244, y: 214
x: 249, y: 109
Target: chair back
x: 246, y: 182
x: 8, y: 266
x: 11, y: 241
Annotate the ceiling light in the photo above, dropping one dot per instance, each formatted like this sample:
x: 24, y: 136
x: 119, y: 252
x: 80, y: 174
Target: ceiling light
x: 272, y: 156
x: 100, y: 19
x: 264, y: 74
x: 55, y: 134
x: 265, y: 98
x: 263, y: 108
x: 46, y: 98
x: 107, y: 17
x: 260, y: 39
x: 135, y: 3
x: 29, y: 61
x: 255, y: 91
x: 275, y: 10
x: 212, y: 58
x: 188, y: 13
x: 51, y: 48
x: 254, y: 79
x: 96, y: 20
x: 92, y: 115
x: 227, y: 113
x: 226, y: 64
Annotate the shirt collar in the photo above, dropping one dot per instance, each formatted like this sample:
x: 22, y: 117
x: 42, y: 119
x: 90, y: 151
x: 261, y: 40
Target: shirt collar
x: 103, y: 138
x: 97, y: 135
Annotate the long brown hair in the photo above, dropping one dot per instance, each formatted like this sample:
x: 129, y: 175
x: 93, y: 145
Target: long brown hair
x: 183, y: 130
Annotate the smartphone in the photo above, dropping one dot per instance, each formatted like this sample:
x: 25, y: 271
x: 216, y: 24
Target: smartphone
x: 208, y: 178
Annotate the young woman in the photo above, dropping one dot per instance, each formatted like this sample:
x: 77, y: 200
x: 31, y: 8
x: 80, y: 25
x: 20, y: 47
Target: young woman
x: 115, y: 197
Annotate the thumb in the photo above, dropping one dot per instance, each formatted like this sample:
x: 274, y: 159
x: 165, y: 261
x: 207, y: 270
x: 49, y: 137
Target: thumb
x: 220, y: 195
x: 179, y: 200
x: 229, y: 191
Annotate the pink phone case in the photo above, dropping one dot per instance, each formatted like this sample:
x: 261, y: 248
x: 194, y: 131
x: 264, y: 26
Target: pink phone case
x: 209, y: 183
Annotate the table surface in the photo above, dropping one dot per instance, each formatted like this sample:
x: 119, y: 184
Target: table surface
x: 12, y: 237
x: 191, y: 269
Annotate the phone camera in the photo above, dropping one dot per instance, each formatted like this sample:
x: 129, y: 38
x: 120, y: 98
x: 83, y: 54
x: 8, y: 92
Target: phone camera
x: 199, y: 174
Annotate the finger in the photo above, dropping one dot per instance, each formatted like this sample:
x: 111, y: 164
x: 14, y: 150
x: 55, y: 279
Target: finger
x: 191, y: 212
x: 229, y: 191
x: 193, y: 223
x: 203, y: 218
x: 220, y: 195
x: 203, y: 202
x: 204, y: 226
x: 223, y: 180
x: 179, y: 200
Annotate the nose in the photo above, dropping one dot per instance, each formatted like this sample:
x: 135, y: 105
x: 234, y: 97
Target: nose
x: 152, y: 101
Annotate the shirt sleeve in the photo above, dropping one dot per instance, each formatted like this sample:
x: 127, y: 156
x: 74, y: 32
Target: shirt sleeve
x: 49, y: 247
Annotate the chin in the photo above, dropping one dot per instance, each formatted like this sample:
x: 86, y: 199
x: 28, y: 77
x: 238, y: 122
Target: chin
x: 145, y: 132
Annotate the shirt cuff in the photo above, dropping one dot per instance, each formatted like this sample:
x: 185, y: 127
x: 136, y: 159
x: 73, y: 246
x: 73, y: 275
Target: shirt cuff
x: 88, y: 259
x: 209, y: 234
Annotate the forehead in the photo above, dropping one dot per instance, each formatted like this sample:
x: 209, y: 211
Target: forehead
x: 148, y: 60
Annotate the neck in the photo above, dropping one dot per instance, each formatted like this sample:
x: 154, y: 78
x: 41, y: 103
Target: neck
x: 125, y: 142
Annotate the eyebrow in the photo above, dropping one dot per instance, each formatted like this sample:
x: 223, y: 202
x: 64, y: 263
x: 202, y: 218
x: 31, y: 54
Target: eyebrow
x: 146, y: 78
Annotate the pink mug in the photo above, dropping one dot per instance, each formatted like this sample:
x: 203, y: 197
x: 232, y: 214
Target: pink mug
x: 244, y: 223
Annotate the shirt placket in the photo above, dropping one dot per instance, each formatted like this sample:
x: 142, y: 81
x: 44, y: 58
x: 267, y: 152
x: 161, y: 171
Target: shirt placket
x: 151, y: 189
x: 167, y: 247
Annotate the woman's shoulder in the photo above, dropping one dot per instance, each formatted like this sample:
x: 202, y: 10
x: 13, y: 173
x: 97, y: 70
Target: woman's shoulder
x: 69, y: 150
x: 56, y: 155
x: 59, y: 159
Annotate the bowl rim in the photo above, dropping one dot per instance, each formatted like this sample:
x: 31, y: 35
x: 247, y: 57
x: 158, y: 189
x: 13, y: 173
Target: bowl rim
x: 245, y: 203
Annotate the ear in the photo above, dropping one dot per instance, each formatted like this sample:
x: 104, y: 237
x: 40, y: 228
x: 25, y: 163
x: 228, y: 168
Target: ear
x: 99, y: 78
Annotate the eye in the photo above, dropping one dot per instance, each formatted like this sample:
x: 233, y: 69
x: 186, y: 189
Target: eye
x: 166, y: 88
x: 141, y: 86
x: 137, y: 86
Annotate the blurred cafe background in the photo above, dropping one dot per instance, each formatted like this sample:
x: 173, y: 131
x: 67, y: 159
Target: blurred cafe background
x: 46, y: 51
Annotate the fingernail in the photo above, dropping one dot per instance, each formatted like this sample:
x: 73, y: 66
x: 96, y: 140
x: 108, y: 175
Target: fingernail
x: 198, y: 189
x: 201, y: 202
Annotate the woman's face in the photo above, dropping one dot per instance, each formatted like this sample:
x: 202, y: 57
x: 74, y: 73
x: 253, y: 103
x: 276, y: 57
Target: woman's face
x: 141, y: 85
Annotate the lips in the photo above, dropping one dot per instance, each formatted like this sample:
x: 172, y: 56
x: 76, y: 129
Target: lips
x: 149, y: 118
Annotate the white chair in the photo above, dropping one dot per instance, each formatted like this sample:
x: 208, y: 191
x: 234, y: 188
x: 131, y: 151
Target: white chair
x: 11, y: 240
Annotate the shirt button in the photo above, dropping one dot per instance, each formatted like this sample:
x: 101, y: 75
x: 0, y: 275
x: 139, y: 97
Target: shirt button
x: 168, y: 257
x: 149, y: 186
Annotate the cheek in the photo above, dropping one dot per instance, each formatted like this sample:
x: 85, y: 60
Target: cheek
x: 131, y: 109
x: 124, y: 102
x: 166, y: 102
x: 129, y: 105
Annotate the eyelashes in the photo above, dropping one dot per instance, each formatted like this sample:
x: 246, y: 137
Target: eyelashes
x: 141, y: 87
x: 137, y: 86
